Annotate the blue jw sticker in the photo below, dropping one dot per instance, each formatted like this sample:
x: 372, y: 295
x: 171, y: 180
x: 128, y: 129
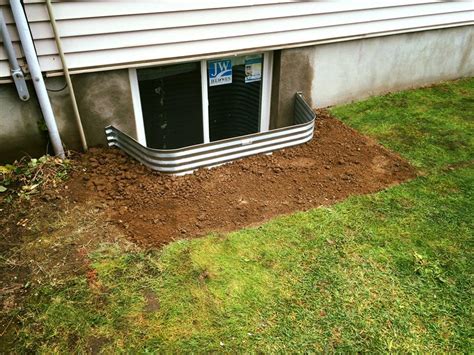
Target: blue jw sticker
x: 220, y: 72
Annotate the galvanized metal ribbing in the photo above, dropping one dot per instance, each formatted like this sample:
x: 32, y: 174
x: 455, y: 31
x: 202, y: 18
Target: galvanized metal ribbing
x: 72, y: 95
x: 185, y: 160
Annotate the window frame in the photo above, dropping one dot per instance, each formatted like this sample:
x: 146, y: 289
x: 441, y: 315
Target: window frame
x: 264, y: 124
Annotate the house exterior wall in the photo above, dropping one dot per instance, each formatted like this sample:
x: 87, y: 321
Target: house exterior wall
x: 347, y: 71
x: 103, y: 99
x: 344, y: 72
x: 327, y: 74
x: 106, y: 35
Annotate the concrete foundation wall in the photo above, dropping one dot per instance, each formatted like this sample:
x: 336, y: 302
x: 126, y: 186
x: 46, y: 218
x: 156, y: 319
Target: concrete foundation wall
x: 22, y: 130
x: 342, y: 72
x: 103, y: 99
x: 292, y: 72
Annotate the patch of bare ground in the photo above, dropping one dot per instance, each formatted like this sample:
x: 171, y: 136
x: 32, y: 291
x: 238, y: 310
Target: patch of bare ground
x: 45, y: 241
x: 152, y: 209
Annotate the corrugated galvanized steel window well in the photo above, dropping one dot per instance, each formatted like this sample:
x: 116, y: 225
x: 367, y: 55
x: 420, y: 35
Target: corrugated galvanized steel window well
x: 206, y: 113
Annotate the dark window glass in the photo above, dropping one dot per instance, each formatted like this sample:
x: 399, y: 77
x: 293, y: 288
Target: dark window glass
x: 172, y: 105
x: 234, y: 108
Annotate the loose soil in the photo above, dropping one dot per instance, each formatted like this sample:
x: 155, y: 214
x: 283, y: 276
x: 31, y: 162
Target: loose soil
x: 153, y: 209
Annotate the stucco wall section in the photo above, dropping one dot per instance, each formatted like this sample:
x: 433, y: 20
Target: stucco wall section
x: 348, y: 71
x: 342, y: 72
x: 293, y: 71
x: 103, y: 99
x: 20, y: 122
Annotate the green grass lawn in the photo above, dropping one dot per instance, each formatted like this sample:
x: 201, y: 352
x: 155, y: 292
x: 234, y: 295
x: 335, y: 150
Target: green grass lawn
x: 384, y: 272
x: 431, y: 127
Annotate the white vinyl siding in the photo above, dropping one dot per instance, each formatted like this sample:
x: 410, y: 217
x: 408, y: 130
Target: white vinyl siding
x: 101, y: 35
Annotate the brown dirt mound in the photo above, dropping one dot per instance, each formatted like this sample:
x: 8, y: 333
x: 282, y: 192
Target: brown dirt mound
x: 153, y: 209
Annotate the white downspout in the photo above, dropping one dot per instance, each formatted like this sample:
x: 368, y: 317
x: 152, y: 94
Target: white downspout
x: 36, y: 76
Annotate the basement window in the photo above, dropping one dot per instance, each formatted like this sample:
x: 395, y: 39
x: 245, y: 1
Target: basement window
x: 171, y: 101
x: 234, y: 108
x: 186, y: 104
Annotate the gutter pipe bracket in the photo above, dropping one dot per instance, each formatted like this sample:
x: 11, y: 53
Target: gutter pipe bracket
x: 20, y: 83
